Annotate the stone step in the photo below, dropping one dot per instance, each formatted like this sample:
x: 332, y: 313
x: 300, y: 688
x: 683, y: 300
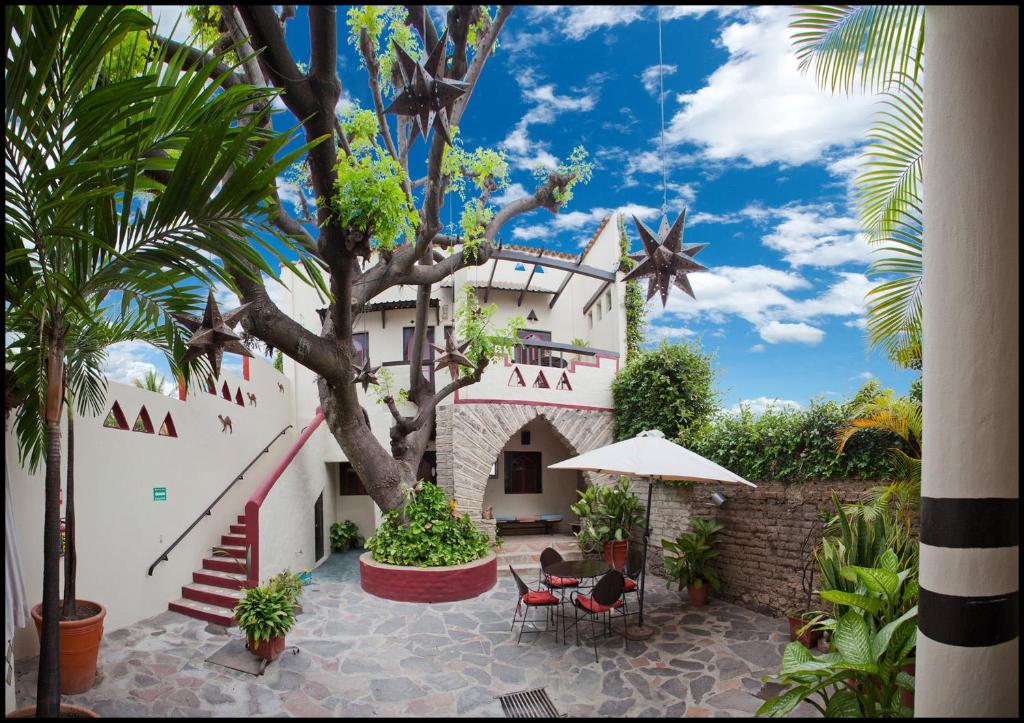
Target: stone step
x: 212, y: 594
x: 216, y: 578
x: 203, y: 611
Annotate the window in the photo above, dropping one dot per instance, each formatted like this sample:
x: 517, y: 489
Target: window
x: 608, y: 300
x: 494, y: 470
x: 348, y: 481
x: 598, y: 307
x: 428, y: 351
x: 590, y: 320
x: 361, y: 346
x: 522, y: 473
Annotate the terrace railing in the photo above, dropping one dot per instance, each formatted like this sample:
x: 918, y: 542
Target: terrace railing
x: 552, y: 353
x: 207, y: 512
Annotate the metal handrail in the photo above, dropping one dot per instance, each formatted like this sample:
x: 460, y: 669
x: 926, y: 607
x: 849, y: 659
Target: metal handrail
x: 206, y: 512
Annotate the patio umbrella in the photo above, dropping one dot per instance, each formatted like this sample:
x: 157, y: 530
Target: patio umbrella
x: 650, y: 455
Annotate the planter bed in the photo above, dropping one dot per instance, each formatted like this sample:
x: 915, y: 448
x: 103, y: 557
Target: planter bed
x: 428, y: 584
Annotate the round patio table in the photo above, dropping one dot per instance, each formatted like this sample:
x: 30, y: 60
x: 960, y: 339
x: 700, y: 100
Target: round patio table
x: 578, y: 568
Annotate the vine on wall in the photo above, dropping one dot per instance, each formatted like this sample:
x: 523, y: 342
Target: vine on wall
x: 634, y: 299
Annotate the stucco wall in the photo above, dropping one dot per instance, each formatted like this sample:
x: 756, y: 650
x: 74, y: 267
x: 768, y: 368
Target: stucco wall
x: 121, y: 529
x: 357, y: 508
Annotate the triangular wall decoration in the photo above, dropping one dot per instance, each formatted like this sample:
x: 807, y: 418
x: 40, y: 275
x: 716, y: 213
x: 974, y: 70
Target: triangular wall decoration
x: 532, y: 316
x: 167, y: 428
x: 563, y: 383
x: 541, y: 382
x: 516, y: 380
x: 143, y: 423
x: 115, y: 418
x: 225, y: 392
x: 238, y: 398
x: 210, y: 387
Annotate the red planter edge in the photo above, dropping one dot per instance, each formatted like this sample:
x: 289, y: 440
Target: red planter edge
x: 428, y: 584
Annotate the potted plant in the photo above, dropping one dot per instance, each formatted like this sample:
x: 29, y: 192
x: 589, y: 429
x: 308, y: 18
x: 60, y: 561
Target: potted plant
x: 265, y: 614
x: 689, y: 564
x: 608, y: 515
x: 292, y: 584
x: 344, y: 535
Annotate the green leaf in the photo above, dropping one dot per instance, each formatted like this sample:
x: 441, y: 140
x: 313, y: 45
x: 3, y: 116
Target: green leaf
x: 880, y: 643
x: 840, y: 597
x: 843, y: 704
x: 852, y: 639
x: 780, y: 706
x: 875, y: 579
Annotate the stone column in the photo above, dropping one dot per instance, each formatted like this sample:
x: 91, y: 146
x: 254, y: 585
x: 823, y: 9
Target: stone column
x: 967, y: 647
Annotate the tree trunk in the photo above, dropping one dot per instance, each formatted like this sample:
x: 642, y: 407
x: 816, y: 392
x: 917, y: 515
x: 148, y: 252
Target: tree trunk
x: 70, y: 555
x: 48, y: 687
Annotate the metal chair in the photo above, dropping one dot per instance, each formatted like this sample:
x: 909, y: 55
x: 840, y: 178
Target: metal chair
x: 529, y: 599
x: 548, y: 557
x: 631, y: 581
x: 605, y: 597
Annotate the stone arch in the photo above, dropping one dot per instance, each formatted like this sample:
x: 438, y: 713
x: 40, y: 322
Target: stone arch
x: 471, y: 436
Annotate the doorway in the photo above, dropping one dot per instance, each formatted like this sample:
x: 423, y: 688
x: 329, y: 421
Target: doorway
x: 318, y: 527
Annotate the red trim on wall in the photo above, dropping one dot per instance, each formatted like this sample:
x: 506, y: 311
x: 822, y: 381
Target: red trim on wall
x: 418, y: 584
x: 238, y: 398
x: 182, y: 391
x: 225, y: 392
x: 252, y: 507
x: 245, y: 368
x: 147, y: 423
x: 168, y: 425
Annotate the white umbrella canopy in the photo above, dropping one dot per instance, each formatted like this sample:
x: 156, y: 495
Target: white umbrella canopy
x: 649, y: 454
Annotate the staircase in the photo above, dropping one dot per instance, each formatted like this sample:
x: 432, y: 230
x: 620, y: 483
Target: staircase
x: 523, y: 553
x: 216, y: 588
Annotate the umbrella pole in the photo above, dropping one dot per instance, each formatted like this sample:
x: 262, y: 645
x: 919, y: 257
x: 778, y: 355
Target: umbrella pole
x: 639, y: 632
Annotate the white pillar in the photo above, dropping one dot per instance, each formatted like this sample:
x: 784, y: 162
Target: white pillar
x: 967, y: 647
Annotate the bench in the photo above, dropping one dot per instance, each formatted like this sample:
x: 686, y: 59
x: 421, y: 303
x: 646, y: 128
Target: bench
x: 525, y: 524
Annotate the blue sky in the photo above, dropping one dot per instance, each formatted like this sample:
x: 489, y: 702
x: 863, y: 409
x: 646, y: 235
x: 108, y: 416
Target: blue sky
x: 761, y: 159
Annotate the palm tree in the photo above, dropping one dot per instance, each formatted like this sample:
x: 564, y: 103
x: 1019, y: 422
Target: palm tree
x: 884, y: 46
x: 79, y: 145
x: 150, y: 383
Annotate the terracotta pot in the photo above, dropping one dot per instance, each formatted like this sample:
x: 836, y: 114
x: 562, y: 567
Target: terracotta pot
x: 268, y: 649
x: 697, y: 595
x: 809, y: 638
x: 79, y: 648
x: 615, y: 553
x: 66, y: 711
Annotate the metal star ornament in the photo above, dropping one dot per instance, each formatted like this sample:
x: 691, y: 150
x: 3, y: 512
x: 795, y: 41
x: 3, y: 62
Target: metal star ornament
x: 366, y: 374
x: 426, y: 95
x: 452, y: 356
x: 212, y: 335
x: 665, y: 261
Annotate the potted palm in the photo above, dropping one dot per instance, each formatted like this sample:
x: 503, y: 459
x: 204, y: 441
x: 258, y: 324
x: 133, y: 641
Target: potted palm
x: 608, y: 515
x: 692, y: 552
x: 265, y: 615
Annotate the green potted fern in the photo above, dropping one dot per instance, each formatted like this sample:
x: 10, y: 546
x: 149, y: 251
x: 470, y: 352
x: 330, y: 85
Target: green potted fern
x: 689, y: 564
x: 265, y: 615
x: 608, y: 515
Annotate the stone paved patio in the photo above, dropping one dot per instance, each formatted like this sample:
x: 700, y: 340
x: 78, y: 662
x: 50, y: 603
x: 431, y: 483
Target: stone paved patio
x: 363, y: 656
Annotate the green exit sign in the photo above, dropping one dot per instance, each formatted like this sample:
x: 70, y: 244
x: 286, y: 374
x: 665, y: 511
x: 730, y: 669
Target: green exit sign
x: 159, y: 494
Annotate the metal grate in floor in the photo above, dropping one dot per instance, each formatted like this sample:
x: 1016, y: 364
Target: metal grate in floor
x: 528, y: 704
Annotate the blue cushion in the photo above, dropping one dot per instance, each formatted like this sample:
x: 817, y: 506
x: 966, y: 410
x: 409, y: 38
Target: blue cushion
x: 551, y: 518
x: 504, y: 518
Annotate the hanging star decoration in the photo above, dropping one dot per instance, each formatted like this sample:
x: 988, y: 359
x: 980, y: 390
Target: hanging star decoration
x: 366, y: 374
x: 426, y: 95
x: 665, y: 259
x: 212, y: 335
x: 452, y: 355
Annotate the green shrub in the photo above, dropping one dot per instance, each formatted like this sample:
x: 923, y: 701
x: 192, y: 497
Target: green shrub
x: 692, y: 552
x: 344, y: 535
x: 289, y: 582
x: 670, y: 388
x: 265, y: 612
x: 608, y: 513
x: 431, y: 534
x: 792, y: 445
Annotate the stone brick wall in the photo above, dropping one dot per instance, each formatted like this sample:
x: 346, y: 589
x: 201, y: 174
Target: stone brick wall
x: 768, y: 537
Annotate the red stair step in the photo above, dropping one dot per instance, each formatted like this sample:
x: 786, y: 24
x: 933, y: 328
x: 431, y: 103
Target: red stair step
x: 211, y: 595
x: 238, y: 529
x: 224, y: 564
x: 203, y: 611
x: 241, y: 519
x: 230, y: 580
x: 232, y: 551
x: 236, y: 540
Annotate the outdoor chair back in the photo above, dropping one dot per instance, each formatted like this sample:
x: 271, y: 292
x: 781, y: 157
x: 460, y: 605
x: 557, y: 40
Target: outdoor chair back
x: 608, y: 589
x: 634, y: 561
x: 523, y: 589
x: 549, y: 556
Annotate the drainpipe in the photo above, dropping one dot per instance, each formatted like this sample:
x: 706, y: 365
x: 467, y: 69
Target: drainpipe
x: 967, y: 646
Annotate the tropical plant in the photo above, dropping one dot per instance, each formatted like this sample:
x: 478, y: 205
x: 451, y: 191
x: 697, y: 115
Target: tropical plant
x: 279, y: 361
x: 292, y: 583
x: 884, y: 46
x: 150, y: 383
x: 608, y: 513
x: 427, y: 532
x: 344, y: 535
x: 691, y: 555
x: 872, y: 642
x: 633, y: 298
x: 670, y: 388
x: 265, y: 612
x: 116, y: 193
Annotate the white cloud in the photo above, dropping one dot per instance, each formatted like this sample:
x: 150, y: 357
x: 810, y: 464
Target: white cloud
x: 525, y: 153
x: 127, y: 361
x: 860, y: 323
x: 582, y: 220
x: 760, y: 405
x: 536, y: 233
x: 775, y: 332
x: 514, y: 192
x: 166, y: 16
x: 652, y: 76
x: 813, y: 236
x: 757, y: 348
x: 865, y: 376
x: 576, y: 22
x: 843, y: 298
x: 758, y: 106
x: 655, y: 334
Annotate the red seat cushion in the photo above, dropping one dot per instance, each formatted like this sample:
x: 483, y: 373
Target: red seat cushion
x: 540, y: 597
x: 555, y: 581
x: 595, y: 607
x: 630, y: 585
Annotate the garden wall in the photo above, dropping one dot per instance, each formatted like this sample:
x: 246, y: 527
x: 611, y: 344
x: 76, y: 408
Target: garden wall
x: 763, y: 547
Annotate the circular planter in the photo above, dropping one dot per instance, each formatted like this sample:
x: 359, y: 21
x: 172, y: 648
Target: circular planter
x: 697, y: 595
x: 66, y: 711
x: 616, y: 553
x: 268, y: 649
x: 428, y: 584
x: 79, y: 648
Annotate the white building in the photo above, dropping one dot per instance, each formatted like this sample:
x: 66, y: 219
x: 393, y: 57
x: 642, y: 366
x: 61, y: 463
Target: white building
x: 149, y: 470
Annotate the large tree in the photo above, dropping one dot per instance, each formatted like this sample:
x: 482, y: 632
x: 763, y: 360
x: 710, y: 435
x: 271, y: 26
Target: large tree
x: 366, y: 200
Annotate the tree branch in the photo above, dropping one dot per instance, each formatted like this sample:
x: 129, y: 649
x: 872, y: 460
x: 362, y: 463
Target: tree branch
x: 194, y: 58
x: 418, y: 17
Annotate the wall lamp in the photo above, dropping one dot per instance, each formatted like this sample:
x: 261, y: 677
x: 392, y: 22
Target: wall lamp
x: 718, y: 498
